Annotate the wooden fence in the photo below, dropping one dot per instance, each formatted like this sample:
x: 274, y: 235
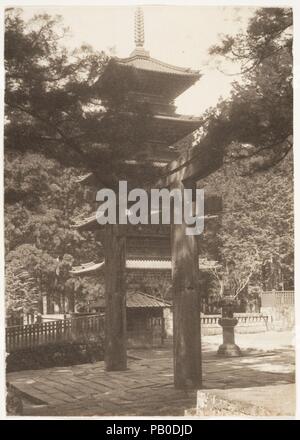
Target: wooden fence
x: 79, y: 329
x: 88, y: 327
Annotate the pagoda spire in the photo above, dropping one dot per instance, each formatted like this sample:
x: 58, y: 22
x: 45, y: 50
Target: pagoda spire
x: 139, y: 34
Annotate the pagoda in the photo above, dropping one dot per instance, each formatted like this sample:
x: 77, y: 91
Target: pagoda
x: 146, y: 252
x: 158, y: 84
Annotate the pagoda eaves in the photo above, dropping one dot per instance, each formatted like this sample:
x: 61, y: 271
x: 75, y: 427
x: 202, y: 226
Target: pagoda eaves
x: 149, y: 78
x: 141, y: 264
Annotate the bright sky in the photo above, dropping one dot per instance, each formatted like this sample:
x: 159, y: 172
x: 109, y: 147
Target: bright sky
x: 179, y: 35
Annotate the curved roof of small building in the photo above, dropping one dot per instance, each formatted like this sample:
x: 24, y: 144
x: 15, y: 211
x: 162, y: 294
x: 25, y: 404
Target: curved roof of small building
x: 136, y: 300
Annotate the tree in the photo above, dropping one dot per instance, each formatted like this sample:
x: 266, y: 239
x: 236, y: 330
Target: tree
x: 258, y: 116
x: 253, y: 130
x: 55, y: 103
x: 21, y: 292
x: 41, y: 198
x: 256, y: 221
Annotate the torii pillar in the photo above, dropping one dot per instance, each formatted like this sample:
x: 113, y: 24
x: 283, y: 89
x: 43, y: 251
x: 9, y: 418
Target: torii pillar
x: 182, y: 173
x: 115, y: 357
x: 186, y: 307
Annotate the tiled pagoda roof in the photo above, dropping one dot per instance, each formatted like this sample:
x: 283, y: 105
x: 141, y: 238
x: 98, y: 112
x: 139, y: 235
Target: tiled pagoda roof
x: 86, y: 268
x: 90, y: 221
x: 153, y: 78
x: 143, y: 264
x: 148, y: 77
x: 142, y: 61
x: 140, y: 57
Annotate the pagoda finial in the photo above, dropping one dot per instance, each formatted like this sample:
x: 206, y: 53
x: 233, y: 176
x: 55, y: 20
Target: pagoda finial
x: 139, y: 37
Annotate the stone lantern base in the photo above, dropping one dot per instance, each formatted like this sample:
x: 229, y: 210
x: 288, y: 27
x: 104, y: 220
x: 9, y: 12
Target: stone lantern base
x: 229, y: 347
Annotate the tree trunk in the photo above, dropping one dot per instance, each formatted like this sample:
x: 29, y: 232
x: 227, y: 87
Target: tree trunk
x: 115, y: 298
x: 186, y: 305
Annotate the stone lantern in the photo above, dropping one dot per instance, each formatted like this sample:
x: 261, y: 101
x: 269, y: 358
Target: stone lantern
x: 228, y: 348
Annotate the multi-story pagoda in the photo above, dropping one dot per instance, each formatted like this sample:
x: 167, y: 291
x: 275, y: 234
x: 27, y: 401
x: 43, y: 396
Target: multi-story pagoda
x: 158, y: 84
x: 148, y: 247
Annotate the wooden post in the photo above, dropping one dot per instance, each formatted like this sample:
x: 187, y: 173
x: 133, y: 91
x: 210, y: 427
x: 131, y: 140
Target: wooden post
x: 186, y: 304
x: 45, y: 304
x: 115, y: 298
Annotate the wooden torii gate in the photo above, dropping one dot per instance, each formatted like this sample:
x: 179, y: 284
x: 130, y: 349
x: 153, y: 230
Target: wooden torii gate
x: 181, y: 173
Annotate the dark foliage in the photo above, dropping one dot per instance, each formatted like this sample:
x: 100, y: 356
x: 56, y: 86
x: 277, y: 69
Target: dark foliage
x: 55, y: 355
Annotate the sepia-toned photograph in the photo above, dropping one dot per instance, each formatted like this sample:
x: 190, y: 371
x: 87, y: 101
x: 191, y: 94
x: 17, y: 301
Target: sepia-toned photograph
x: 149, y: 212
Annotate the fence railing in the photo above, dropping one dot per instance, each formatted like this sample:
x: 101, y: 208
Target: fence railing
x: 243, y: 318
x: 210, y: 319
x: 79, y: 329
x: 86, y: 327
x: 22, y: 319
x: 275, y: 298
